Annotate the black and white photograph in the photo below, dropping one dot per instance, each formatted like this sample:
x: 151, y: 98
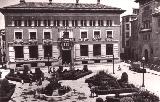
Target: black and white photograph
x: 79, y: 50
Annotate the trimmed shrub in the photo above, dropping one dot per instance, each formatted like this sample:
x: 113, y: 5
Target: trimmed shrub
x: 99, y: 99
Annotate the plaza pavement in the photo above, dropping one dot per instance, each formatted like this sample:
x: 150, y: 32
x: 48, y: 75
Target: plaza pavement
x: 152, y: 82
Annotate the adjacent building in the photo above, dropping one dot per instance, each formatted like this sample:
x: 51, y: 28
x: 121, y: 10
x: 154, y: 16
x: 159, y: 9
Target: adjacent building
x: 38, y: 33
x: 126, y: 33
x: 148, y: 31
x: 2, y: 47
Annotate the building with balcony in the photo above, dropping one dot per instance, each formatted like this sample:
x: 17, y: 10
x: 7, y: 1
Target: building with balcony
x: 76, y: 32
x: 126, y: 34
x: 148, y: 31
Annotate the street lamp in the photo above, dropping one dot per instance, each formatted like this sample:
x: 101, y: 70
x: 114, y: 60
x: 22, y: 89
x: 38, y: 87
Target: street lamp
x: 143, y: 60
x: 113, y: 64
x: 48, y: 64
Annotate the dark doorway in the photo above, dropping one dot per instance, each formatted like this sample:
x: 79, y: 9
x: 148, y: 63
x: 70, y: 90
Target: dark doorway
x: 33, y: 51
x: 66, y: 56
x: 146, y: 55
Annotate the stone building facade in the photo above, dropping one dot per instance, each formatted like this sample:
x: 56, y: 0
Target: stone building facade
x: 77, y: 33
x: 126, y: 33
x: 148, y: 45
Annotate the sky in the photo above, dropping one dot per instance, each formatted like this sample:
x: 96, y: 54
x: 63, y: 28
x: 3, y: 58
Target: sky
x: 127, y: 5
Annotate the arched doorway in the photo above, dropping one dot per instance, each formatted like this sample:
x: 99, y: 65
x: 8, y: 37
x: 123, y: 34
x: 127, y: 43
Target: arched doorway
x: 146, y: 54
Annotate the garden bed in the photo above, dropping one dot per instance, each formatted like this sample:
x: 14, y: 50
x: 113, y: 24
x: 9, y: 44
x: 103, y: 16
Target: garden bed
x: 73, y: 74
x: 6, y: 97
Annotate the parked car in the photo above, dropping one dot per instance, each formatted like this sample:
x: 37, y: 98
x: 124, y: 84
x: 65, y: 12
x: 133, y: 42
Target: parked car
x: 136, y: 66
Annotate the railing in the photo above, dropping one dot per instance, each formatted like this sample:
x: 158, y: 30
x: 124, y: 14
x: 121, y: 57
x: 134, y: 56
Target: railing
x: 96, y: 39
x: 47, y: 41
x: 66, y: 39
x: 32, y: 42
x: 18, y: 41
x: 83, y: 39
x: 109, y: 39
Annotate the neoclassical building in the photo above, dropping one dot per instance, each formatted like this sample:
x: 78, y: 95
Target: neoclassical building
x: 38, y: 33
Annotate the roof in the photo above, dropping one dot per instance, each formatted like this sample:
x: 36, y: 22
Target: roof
x: 59, y: 7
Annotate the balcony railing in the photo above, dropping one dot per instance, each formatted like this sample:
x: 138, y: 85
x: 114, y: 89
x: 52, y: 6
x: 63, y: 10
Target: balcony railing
x: 83, y: 39
x: 109, y: 39
x: 96, y: 39
x: 32, y: 42
x: 47, y: 41
x: 18, y: 41
x: 66, y: 39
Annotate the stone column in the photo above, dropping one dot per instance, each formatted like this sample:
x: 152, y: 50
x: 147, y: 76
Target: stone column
x: 32, y: 23
x: 11, y: 54
x: 52, y: 23
x: 22, y: 23
x: 42, y: 24
x: 26, y: 52
x: 90, y: 51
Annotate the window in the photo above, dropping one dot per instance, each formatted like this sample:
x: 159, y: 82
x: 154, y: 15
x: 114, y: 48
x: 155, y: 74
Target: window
x: 65, y: 34
x: 46, y: 22
x: 84, y: 50
x: 33, y: 51
x: 84, y: 34
x: 96, y: 49
x: 18, y: 35
x: 83, y: 23
x: 17, y: 23
x: 65, y: 23
x: 109, y: 34
x: 127, y: 19
x: 37, y: 23
x: 96, y: 34
x: 127, y: 43
x: 146, y: 24
x: 19, y: 52
x: 109, y: 49
x: 56, y: 23
x: 74, y: 23
x: 109, y: 23
x: 47, y: 51
x: 27, y: 23
x: 100, y: 22
x: 92, y: 22
x: 127, y: 34
x: 127, y: 26
x: 47, y: 35
x: 33, y: 35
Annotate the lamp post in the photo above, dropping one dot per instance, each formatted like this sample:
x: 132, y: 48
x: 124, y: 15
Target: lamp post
x: 48, y: 64
x: 113, y: 64
x: 143, y: 60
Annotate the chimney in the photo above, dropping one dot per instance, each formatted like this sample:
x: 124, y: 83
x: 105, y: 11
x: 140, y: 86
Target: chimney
x: 98, y: 1
x: 22, y: 1
x: 50, y: 1
x: 77, y: 1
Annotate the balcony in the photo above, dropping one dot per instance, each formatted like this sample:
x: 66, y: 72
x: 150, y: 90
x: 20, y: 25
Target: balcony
x: 18, y: 42
x: 83, y: 39
x: 96, y: 39
x: 47, y: 41
x: 66, y: 39
x: 109, y: 39
x: 32, y: 42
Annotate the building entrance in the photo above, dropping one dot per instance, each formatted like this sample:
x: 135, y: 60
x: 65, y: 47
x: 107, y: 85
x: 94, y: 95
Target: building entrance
x: 66, y: 56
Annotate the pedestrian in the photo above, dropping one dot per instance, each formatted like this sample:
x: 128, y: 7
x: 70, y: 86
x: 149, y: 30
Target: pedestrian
x: 30, y: 78
x: 92, y: 89
x: 119, y: 68
x: 39, y: 76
